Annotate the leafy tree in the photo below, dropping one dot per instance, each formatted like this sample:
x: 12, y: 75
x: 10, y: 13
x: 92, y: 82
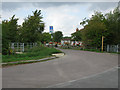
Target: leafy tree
x: 57, y: 36
x: 9, y: 33
x: 5, y: 39
x: 77, y: 36
x: 46, y: 37
x: 113, y: 23
x: 13, y: 29
x: 101, y: 25
x: 0, y: 38
x: 32, y: 28
x: 93, y: 31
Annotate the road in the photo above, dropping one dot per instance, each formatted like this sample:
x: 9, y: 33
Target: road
x: 75, y: 65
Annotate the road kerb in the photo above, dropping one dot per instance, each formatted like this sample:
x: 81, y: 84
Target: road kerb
x: 29, y: 61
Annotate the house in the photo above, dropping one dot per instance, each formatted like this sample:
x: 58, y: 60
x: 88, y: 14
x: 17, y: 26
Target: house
x: 76, y: 43
x: 66, y: 40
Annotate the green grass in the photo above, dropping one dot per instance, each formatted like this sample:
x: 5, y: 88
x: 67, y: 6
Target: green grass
x: 13, y: 64
x: 34, y: 53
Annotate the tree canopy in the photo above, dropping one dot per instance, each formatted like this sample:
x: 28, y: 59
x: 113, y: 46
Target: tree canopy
x: 32, y: 28
x: 57, y: 36
x: 99, y: 25
x: 30, y: 31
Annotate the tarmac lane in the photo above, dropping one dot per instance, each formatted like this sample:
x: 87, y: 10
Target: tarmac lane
x: 74, y: 65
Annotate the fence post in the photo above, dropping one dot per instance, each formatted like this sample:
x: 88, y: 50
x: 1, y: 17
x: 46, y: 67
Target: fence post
x: 23, y: 47
x: 117, y: 48
x: 12, y: 46
x: 30, y: 45
x: 17, y: 47
x: 107, y: 48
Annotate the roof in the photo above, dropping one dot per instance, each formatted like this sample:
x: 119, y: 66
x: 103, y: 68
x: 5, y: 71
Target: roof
x: 66, y: 39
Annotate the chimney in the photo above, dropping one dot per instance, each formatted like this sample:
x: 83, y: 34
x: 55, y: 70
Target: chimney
x: 77, y: 29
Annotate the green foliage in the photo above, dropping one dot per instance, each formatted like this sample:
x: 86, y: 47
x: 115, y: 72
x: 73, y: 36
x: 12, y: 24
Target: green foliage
x: 77, y: 36
x: 57, y: 36
x: 46, y: 37
x: 93, y: 32
x: 34, y: 53
x: 113, y: 23
x: 100, y: 25
x: 0, y: 38
x: 9, y: 33
x: 30, y: 31
x: 32, y: 28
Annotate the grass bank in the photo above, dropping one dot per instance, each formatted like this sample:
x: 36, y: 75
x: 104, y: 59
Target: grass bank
x: 34, y: 53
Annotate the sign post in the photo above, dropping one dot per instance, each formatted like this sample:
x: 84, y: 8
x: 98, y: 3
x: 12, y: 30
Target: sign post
x: 51, y: 32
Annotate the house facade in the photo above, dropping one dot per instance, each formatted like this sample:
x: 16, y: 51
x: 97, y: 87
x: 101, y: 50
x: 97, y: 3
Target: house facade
x: 70, y: 42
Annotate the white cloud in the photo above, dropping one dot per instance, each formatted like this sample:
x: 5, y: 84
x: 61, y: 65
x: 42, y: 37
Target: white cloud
x: 65, y: 17
x: 59, y: 0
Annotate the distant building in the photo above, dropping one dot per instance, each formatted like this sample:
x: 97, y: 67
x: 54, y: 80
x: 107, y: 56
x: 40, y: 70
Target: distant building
x: 63, y: 41
x: 70, y: 42
x: 75, y: 43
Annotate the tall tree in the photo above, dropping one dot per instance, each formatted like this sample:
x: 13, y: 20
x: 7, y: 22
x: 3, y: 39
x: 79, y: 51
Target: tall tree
x: 94, y: 30
x: 46, y: 37
x: 32, y: 27
x: 9, y: 33
x: 77, y: 36
x: 12, y: 29
x: 57, y: 36
x: 113, y: 23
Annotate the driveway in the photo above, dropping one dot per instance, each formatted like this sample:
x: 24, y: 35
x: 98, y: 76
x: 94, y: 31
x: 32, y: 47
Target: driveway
x: 74, y: 65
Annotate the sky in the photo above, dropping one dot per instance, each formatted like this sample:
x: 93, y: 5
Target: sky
x: 63, y: 16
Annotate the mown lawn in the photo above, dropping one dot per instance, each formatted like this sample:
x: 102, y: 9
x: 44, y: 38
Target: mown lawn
x: 34, y: 53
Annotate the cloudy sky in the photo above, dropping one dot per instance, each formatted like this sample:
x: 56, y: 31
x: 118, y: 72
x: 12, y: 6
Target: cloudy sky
x: 63, y: 16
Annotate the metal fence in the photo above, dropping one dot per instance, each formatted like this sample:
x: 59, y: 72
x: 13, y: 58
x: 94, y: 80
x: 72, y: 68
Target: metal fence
x: 21, y: 47
x: 112, y: 48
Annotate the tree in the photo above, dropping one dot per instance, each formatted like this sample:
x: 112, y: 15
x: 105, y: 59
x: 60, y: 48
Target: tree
x: 9, y: 33
x: 77, y: 36
x: 57, y: 36
x: 46, y: 37
x: 113, y: 23
x: 94, y: 30
x: 100, y: 25
x: 0, y: 36
x: 32, y: 28
x: 13, y: 29
x: 5, y: 39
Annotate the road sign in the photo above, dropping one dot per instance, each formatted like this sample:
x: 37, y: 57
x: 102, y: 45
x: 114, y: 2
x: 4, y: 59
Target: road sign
x: 51, y: 29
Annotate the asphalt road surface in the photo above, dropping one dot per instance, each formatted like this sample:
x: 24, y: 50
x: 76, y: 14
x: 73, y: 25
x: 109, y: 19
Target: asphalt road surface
x: 73, y: 67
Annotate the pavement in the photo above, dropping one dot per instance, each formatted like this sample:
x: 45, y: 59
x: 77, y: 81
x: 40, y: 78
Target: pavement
x: 73, y: 66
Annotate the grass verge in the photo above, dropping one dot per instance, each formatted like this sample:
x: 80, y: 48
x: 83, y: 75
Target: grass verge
x: 19, y: 63
x: 32, y: 54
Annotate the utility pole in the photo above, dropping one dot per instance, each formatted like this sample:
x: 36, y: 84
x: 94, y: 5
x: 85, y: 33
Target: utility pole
x: 102, y: 42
